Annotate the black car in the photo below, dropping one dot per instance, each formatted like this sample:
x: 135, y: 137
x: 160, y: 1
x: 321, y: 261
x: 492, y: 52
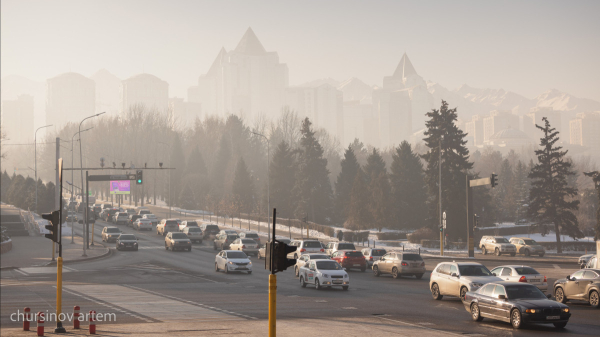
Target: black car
x: 127, y: 242
x: 132, y: 219
x: 517, y: 303
x: 583, y: 285
x: 209, y: 230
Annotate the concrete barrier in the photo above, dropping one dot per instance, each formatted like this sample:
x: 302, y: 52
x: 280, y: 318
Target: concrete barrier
x: 5, y: 246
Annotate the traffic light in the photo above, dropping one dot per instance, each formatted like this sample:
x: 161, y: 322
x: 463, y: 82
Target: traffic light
x: 494, y: 180
x: 475, y: 221
x: 279, y: 251
x: 138, y: 176
x: 441, y: 228
x: 54, y: 219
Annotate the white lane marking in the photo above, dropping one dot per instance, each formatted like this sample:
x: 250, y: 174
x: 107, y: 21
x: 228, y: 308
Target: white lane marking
x: 40, y: 270
x: 556, y: 266
x: 349, y: 308
x: 22, y: 272
x: 149, y: 304
x: 421, y: 327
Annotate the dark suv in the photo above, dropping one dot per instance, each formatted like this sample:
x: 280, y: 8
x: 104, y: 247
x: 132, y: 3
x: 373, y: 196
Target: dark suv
x: 132, y: 219
x: 209, y: 230
x: 223, y: 241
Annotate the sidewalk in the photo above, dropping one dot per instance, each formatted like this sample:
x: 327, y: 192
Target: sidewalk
x: 30, y: 251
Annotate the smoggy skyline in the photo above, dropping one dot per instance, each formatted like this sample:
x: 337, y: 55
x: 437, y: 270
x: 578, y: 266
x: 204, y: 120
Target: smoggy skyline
x: 527, y: 47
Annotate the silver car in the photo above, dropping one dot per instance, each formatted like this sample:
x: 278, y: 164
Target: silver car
x: 372, y: 255
x: 457, y: 278
x: 142, y: 223
x: 248, y: 246
x: 527, y: 246
x: 523, y: 274
x: 194, y: 233
x: 153, y: 219
x: 303, y: 260
x: 398, y: 264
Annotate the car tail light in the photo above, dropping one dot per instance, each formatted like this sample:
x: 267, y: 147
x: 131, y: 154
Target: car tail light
x: 243, y: 246
x: 404, y: 264
x: 523, y: 279
x: 371, y: 258
x: 322, y: 250
x: 545, y: 280
x: 423, y: 264
x: 302, y: 250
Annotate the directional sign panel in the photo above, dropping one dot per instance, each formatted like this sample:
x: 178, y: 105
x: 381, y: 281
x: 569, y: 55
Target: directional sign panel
x: 112, y: 177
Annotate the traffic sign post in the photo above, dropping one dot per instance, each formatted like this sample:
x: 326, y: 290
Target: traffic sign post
x: 472, y: 219
x: 442, y: 232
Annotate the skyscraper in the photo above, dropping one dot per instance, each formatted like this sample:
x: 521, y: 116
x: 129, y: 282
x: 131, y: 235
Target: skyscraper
x: 146, y: 90
x: 70, y: 97
x: 17, y: 119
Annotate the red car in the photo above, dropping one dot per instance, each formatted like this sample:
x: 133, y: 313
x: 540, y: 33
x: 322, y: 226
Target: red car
x: 350, y: 259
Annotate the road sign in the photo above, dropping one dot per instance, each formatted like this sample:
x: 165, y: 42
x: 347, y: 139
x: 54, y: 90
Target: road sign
x: 112, y: 177
x: 444, y: 223
x: 444, y: 215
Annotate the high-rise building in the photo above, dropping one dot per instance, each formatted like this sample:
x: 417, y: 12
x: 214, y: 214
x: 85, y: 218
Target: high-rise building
x: 535, y: 117
x: 359, y: 122
x: 474, y: 130
x: 585, y: 130
x: 108, y: 92
x: 497, y: 121
x: 184, y: 113
x: 17, y: 119
x: 323, y: 105
x: 70, y: 97
x: 246, y: 81
x: 145, y: 90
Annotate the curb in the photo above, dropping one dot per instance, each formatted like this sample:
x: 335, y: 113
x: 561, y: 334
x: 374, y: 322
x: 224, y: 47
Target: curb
x: 8, y: 268
x: 462, y: 258
x: 107, y: 254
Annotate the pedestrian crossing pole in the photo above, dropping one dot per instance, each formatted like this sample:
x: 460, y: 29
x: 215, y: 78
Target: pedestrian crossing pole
x: 272, y: 285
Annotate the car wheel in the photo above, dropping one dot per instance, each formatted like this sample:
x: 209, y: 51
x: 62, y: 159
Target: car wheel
x: 594, y: 299
x: 483, y: 251
x: 541, y: 254
x: 497, y: 252
x: 513, y: 254
x: 166, y: 247
x: 376, y: 271
x: 226, y: 269
x: 216, y: 267
x: 318, y: 284
x: 527, y: 252
x: 296, y: 271
x: 435, y: 292
x: 395, y: 273
x: 302, y: 283
x: 190, y: 249
x: 515, y: 319
x: 419, y: 276
x: 475, y: 314
x: 260, y: 258
x: 559, y: 295
x: 560, y: 325
x: 345, y: 287
x: 463, y: 293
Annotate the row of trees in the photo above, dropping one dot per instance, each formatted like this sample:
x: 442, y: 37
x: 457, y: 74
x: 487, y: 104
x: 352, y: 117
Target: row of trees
x: 20, y: 192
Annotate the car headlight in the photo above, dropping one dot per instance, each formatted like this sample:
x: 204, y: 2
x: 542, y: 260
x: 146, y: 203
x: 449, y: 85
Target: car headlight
x: 231, y: 263
x: 135, y: 243
x: 475, y: 285
x: 325, y: 275
x: 250, y: 263
x: 531, y: 311
x: 565, y: 310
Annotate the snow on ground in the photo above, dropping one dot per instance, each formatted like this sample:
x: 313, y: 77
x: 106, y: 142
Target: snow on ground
x: 66, y: 227
x: 551, y: 237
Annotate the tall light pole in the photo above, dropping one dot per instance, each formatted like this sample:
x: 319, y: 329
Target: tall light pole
x: 170, y: 201
x: 440, y: 199
x: 85, y: 213
x: 72, y: 157
x: 36, y: 180
x: 268, y: 187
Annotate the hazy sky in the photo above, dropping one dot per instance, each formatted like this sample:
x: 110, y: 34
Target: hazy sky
x: 523, y: 46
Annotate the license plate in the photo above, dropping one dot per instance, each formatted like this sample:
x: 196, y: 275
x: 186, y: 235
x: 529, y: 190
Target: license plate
x: 357, y: 265
x: 242, y: 268
x: 534, y: 281
x: 552, y: 317
x: 337, y: 282
x: 414, y: 264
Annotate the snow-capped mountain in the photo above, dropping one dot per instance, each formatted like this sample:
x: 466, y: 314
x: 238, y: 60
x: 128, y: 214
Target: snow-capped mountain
x: 565, y: 102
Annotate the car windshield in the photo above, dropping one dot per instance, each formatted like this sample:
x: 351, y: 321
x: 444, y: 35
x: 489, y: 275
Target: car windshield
x: 171, y: 223
x: 346, y: 246
x: 312, y: 244
x: 250, y: 241
x: 113, y: 230
x: 412, y: 257
x: 523, y: 292
x: 236, y: 255
x: 127, y: 237
x: 474, y: 270
x: 179, y: 236
x: 354, y: 254
x: 212, y: 228
x: 501, y: 240
x: 150, y: 216
x: 328, y: 265
x: 251, y: 235
x: 378, y: 252
x: 231, y: 237
x: 526, y: 271
x: 192, y: 224
x: 530, y: 242
x: 194, y: 230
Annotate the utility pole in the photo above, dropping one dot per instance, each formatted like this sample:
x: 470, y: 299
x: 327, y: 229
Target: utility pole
x: 57, y: 194
x: 442, y: 232
x: 36, y: 178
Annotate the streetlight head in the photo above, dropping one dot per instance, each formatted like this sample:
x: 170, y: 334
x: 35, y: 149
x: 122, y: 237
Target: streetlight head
x: 160, y: 164
x: 123, y: 164
x: 114, y: 164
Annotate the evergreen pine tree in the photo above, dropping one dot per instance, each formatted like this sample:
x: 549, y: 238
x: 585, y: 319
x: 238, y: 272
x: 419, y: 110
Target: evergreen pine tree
x: 186, y: 198
x: 409, y: 196
x: 195, y: 163
x: 522, y: 185
x: 379, y: 203
x: 243, y: 188
x: 375, y: 166
x: 4, y: 185
x: 312, y: 190
x: 443, y: 133
x: 550, y: 196
x: 282, y: 179
x: 359, y: 216
x: 343, y: 185
x: 177, y: 161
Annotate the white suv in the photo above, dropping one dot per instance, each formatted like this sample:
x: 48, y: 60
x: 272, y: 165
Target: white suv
x: 456, y: 278
x: 305, y: 247
x: 497, y: 245
x: 333, y: 247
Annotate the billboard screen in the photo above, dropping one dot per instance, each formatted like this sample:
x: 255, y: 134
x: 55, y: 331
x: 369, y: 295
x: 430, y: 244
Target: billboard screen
x: 120, y: 186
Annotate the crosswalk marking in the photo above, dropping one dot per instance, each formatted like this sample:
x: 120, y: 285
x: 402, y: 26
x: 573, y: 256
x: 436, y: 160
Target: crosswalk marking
x: 42, y: 270
x: 150, y: 304
x: 556, y: 266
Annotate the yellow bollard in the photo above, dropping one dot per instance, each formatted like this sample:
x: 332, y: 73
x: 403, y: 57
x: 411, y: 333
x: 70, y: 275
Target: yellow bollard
x: 272, y: 305
x: 59, y: 265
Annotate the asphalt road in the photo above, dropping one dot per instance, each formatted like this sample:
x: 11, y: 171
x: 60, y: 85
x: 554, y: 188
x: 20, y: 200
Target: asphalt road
x: 154, y: 285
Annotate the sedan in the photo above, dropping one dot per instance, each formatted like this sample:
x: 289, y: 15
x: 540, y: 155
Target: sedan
x: 583, y: 285
x: 194, y: 233
x: 521, y: 274
x: 324, y: 273
x: 175, y: 241
x: 151, y: 217
x: 515, y: 303
x: 399, y: 264
x: 142, y: 223
x: 127, y: 241
x: 233, y: 260
x: 110, y: 234
x: 248, y: 246
x: 350, y: 259
x: 305, y: 258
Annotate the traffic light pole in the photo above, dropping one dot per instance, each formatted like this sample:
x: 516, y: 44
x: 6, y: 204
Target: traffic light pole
x: 273, y: 285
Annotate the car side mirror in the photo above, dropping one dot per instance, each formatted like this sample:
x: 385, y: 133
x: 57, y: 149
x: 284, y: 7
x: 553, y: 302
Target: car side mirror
x: 495, y: 274
x: 569, y: 277
x: 549, y: 296
x: 501, y: 297
x: 454, y: 275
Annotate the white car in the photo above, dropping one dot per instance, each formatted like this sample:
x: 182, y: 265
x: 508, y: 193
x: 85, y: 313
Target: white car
x: 302, y: 260
x: 523, y: 274
x: 153, y: 219
x: 333, y: 247
x: 305, y: 246
x: 187, y: 223
x: 229, y: 232
x: 247, y: 246
x: 233, y: 260
x: 324, y: 273
x: 457, y: 278
x: 142, y: 224
x: 194, y: 233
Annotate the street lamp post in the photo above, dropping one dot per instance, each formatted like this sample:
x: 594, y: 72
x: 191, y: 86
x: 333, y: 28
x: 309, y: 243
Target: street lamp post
x: 36, y: 179
x: 72, y: 157
x: 85, y: 214
x: 170, y: 201
x: 268, y: 187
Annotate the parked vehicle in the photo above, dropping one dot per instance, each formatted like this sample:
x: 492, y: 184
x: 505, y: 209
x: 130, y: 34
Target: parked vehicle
x: 110, y: 234
x: 305, y: 246
x: 127, y: 241
x: 233, y: 260
x: 350, y: 259
x: 583, y: 285
x: 209, y: 230
x: 523, y: 274
x: 398, y: 264
x: 248, y: 246
x: 457, y: 278
x: 194, y: 233
x: 527, y: 246
x: 177, y: 241
x: 305, y: 258
x: 516, y: 303
x: 497, y: 245
x: 324, y: 273
x: 372, y: 255
x: 167, y: 225
x: 333, y: 247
